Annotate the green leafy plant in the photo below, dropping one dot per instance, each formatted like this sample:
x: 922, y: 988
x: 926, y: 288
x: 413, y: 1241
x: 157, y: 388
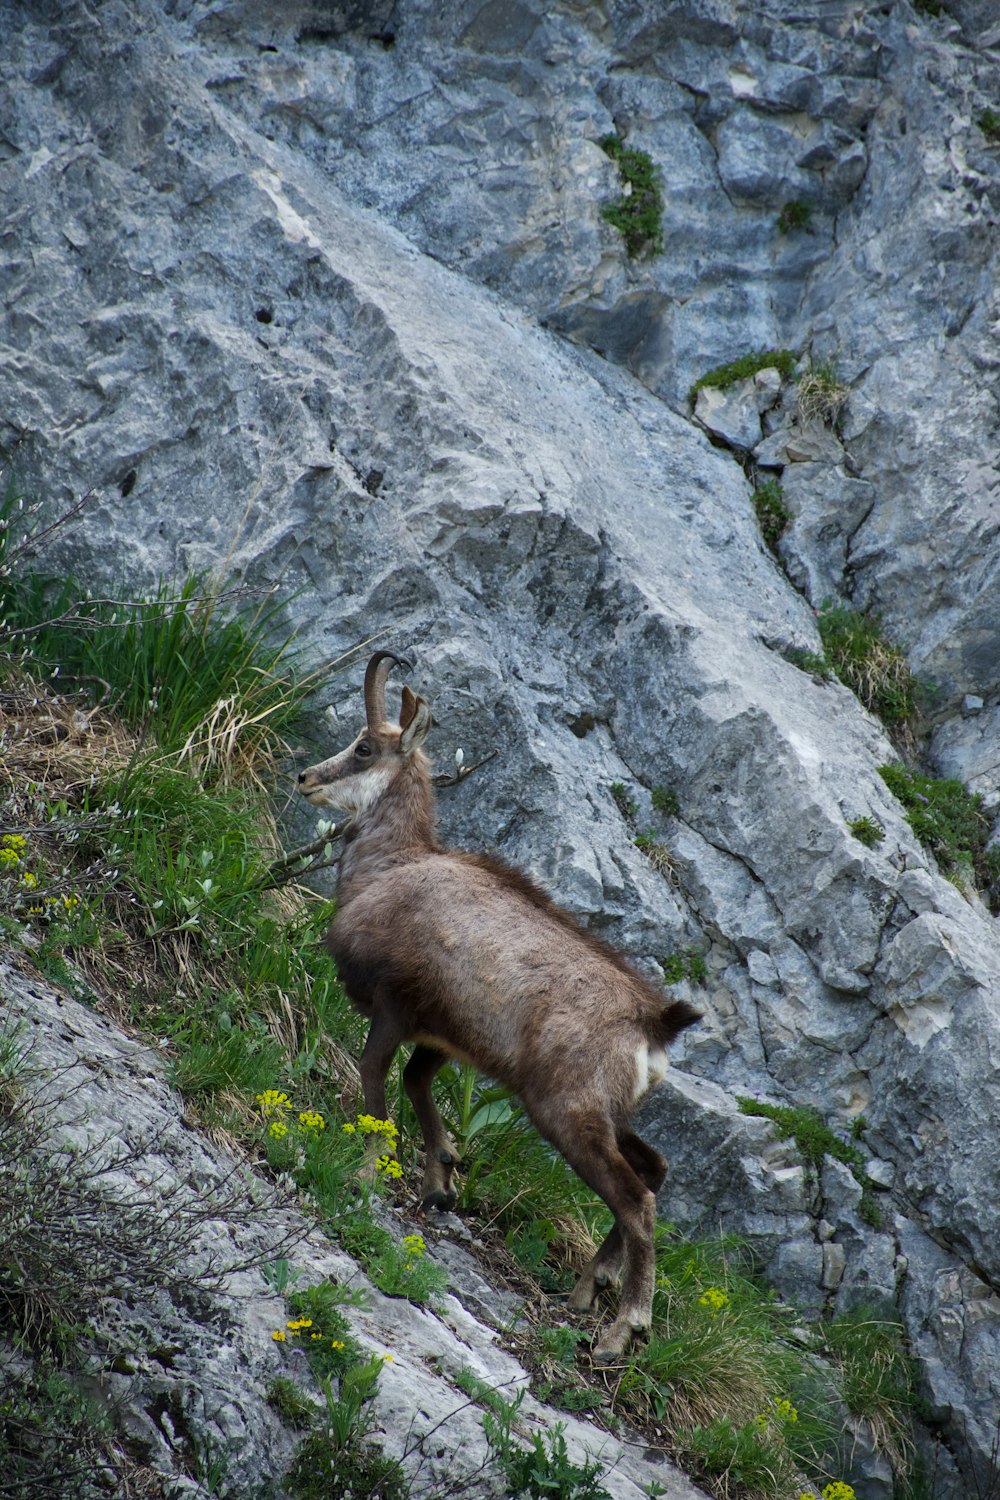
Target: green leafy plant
x: 688, y: 964
x: 866, y: 830
x: 952, y: 823
x: 543, y: 1470
x: 989, y: 124
x: 772, y: 512
x: 638, y: 213
x: 815, y: 1140
x: 795, y: 215
x: 867, y: 664
x: 664, y: 800
x: 722, y: 376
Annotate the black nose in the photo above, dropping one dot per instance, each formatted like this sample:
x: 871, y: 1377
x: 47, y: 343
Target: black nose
x: 302, y: 777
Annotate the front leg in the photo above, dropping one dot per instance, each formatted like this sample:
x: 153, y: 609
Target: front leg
x: 440, y: 1152
x: 384, y: 1036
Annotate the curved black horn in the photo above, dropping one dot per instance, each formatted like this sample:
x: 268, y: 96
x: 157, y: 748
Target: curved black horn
x: 377, y: 671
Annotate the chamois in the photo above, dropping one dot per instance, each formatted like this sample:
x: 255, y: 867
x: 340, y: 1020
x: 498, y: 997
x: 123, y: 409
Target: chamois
x: 467, y: 958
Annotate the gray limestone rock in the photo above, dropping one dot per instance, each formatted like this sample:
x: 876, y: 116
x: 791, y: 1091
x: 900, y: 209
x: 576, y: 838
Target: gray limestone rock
x: 272, y: 284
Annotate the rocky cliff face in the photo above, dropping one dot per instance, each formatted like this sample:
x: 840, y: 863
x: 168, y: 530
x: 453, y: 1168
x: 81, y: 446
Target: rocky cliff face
x: 324, y: 295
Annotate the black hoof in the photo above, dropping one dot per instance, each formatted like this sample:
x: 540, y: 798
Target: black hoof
x: 443, y: 1201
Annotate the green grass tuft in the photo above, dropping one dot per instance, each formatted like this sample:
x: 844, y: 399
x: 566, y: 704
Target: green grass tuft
x: 782, y: 360
x: 867, y: 664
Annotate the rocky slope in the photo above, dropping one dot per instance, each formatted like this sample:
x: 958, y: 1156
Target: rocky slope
x: 323, y: 295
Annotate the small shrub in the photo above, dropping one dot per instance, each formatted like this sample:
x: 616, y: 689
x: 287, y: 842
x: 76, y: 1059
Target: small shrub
x: 794, y: 215
x: 544, y: 1470
x: 399, y: 1270
x: 689, y: 964
x: 867, y: 831
x: 638, y: 213
x: 989, y: 124
x: 772, y: 512
x: 782, y: 360
x: 664, y: 800
x: 865, y: 662
x: 952, y: 823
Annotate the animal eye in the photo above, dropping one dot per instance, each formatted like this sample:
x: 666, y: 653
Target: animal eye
x: 364, y: 749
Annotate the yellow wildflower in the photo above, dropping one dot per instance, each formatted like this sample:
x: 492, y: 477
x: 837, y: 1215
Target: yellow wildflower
x: 311, y: 1119
x: 786, y: 1411
x: 279, y: 1335
x: 274, y: 1102
x: 348, y: 1129
x: 336, y: 1343
x: 414, y: 1244
x: 388, y: 1167
x: 277, y: 1128
x: 838, y: 1490
x: 29, y: 880
x: 714, y: 1297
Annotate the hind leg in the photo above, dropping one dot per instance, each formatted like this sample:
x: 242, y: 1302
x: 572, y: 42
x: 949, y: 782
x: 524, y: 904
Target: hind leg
x: 605, y: 1267
x: 592, y: 1150
x: 440, y: 1152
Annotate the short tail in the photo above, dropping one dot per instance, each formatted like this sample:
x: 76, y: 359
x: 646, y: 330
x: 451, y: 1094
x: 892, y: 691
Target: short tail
x: 673, y: 1019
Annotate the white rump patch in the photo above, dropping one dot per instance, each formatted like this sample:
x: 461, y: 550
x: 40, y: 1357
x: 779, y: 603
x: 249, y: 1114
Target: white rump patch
x: 650, y: 1067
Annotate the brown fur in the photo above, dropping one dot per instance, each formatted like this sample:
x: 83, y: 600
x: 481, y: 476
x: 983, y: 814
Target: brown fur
x: 467, y: 957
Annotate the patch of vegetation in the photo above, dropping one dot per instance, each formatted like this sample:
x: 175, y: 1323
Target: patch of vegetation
x: 795, y: 215
x: 720, y: 1378
x: 337, y: 1449
x: 54, y: 1442
x: 543, y: 1470
x: 689, y: 964
x: 867, y: 831
x: 656, y: 852
x: 809, y: 661
x: 626, y: 804
x: 989, y: 124
x: 821, y: 394
x: 723, y: 376
x: 292, y: 1405
x: 877, y: 1380
x: 638, y: 213
x: 664, y: 800
x: 953, y: 824
x: 929, y: 7
x: 815, y: 1141
x: 773, y: 514
x: 866, y: 663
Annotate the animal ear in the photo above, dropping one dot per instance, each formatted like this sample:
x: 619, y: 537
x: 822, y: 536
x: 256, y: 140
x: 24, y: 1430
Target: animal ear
x: 409, y: 707
x: 415, y: 721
